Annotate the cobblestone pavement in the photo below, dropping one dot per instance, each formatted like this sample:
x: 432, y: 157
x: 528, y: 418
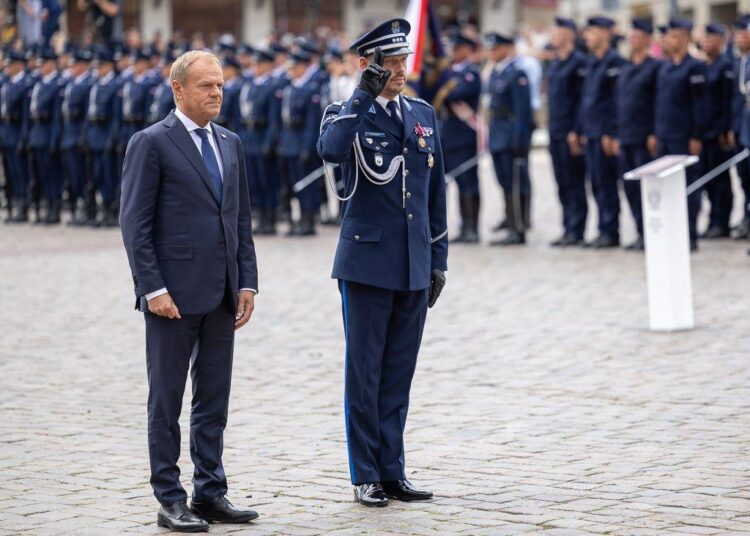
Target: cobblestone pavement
x: 541, y: 403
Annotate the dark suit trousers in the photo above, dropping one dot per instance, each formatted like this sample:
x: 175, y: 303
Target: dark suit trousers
x: 570, y: 174
x: 383, y: 330
x: 602, y: 170
x: 204, y: 344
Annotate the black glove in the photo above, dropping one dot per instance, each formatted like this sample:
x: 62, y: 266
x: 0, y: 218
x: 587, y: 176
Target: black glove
x: 437, y: 282
x: 374, y: 78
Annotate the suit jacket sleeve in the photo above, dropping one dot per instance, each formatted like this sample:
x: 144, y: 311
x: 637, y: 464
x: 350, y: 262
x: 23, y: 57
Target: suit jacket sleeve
x: 437, y: 207
x: 141, y: 177
x: 246, y: 261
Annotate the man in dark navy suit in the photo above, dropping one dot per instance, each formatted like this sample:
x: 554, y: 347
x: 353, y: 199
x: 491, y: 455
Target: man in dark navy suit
x: 185, y: 222
x: 391, y: 256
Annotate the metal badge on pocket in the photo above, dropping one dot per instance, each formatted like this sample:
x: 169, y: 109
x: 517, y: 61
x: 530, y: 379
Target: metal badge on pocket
x: 379, y: 160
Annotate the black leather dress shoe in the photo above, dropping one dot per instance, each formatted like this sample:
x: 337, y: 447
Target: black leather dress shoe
x: 604, y: 242
x: 403, y: 490
x: 513, y: 238
x: 179, y: 518
x: 715, y: 232
x: 568, y: 239
x: 637, y: 245
x: 220, y: 510
x: 370, y: 494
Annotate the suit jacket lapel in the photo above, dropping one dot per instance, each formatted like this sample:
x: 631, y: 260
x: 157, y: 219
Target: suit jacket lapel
x: 181, y: 138
x: 223, y: 144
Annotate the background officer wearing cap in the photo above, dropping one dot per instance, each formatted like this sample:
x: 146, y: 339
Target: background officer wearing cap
x: 14, y: 108
x: 256, y: 108
x: 597, y: 125
x: 741, y: 116
x: 716, y: 140
x: 636, y: 93
x: 565, y: 77
x: 456, y: 103
x: 162, y: 100
x: 102, y: 134
x: 73, y: 109
x: 229, y: 115
x: 44, y: 135
x: 136, y: 94
x: 391, y: 256
x: 681, y: 108
x: 511, y: 125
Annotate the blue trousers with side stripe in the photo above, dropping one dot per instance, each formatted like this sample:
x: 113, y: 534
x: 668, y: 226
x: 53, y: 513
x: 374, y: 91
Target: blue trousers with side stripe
x: 383, y: 330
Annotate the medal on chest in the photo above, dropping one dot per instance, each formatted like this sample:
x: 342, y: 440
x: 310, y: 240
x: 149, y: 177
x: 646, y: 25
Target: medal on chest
x: 422, y: 143
x: 430, y: 160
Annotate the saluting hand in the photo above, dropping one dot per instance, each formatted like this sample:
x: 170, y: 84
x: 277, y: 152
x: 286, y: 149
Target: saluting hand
x: 245, y: 308
x: 375, y: 77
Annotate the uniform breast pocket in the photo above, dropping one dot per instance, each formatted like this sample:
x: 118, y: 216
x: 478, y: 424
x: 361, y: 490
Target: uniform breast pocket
x: 361, y: 232
x: 378, y: 151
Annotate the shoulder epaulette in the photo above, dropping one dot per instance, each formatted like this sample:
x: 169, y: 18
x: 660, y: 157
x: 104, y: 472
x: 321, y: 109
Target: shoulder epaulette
x: 417, y: 99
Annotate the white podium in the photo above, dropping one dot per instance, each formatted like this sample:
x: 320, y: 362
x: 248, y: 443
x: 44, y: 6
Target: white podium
x: 667, y: 238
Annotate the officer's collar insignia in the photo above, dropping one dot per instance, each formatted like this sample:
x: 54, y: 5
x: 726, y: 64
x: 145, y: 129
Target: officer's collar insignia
x: 372, y: 109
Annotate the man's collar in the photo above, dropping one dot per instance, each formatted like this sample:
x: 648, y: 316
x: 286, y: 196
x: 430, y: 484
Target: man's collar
x: 384, y: 102
x: 190, y: 125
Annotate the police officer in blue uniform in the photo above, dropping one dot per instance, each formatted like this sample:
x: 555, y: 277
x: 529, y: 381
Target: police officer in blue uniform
x: 597, y: 125
x: 636, y: 94
x: 681, y: 108
x: 7, y: 183
x: 14, y: 108
x: 391, y: 256
x: 741, y: 117
x: 456, y: 103
x: 102, y: 134
x: 511, y: 125
x: 256, y: 107
x: 162, y: 100
x: 300, y: 123
x: 44, y: 134
x: 229, y: 115
x: 565, y: 76
x: 136, y: 93
x: 717, y: 140
x: 75, y: 100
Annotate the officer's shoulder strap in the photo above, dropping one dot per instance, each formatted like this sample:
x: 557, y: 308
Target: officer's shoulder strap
x: 417, y: 99
x: 334, y: 107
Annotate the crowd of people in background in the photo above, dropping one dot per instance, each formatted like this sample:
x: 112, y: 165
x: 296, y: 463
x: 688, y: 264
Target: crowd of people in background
x: 68, y: 108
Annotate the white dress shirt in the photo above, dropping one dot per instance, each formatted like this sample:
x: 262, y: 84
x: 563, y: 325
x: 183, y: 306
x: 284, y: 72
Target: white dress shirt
x: 384, y: 103
x: 192, y: 127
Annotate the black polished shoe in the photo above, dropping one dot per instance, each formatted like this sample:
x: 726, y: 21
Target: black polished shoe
x: 715, y: 232
x: 370, y: 494
x: 638, y: 245
x: 403, y: 490
x: 503, y: 225
x: 566, y: 240
x: 220, y: 510
x: 604, y: 242
x: 514, y: 238
x: 179, y: 518
x: 742, y: 231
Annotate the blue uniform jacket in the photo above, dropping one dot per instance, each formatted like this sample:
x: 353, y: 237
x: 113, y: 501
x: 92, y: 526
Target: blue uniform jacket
x: 510, y: 113
x: 461, y: 84
x: 75, y: 102
x: 636, y: 94
x: 300, y: 119
x: 45, y: 120
x: 256, y: 108
x: 390, y: 238
x: 228, y: 115
x: 564, y: 87
x: 719, y: 97
x: 14, y: 110
x: 162, y: 102
x: 681, y: 100
x: 596, y: 115
x: 104, y: 114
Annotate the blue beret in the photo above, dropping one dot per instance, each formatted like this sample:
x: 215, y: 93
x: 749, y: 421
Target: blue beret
x: 562, y: 22
x: 715, y: 29
x: 494, y: 39
x: 601, y: 22
x: 299, y: 56
x: 232, y: 62
x: 15, y: 55
x: 264, y: 54
x: 644, y: 25
x: 461, y: 39
x: 680, y: 24
x: 390, y: 36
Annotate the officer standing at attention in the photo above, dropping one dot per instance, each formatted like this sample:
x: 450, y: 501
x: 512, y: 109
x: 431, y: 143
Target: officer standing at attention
x: 44, y: 134
x: 565, y: 77
x: 597, y: 123
x: 229, y: 115
x: 73, y: 108
x: 681, y: 109
x: 391, y: 256
x: 102, y: 133
x: 717, y: 139
x: 511, y: 124
x: 456, y: 103
x: 741, y: 117
x: 300, y: 124
x: 136, y: 91
x: 14, y: 108
x: 162, y: 101
x: 636, y: 93
x: 255, y: 104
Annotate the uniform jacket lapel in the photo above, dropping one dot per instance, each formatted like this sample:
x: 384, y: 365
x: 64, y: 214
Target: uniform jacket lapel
x: 181, y: 138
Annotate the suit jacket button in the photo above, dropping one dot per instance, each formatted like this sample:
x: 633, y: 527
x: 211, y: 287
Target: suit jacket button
x: 410, y: 217
x: 356, y: 237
